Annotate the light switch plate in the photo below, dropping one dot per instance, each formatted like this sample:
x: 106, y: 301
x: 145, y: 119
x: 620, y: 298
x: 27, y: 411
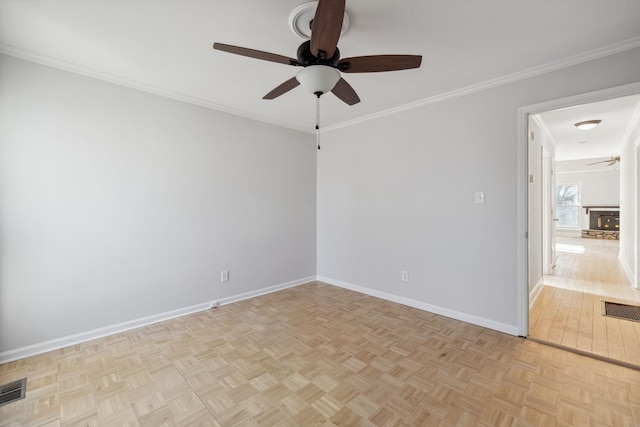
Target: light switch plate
x: 479, y: 197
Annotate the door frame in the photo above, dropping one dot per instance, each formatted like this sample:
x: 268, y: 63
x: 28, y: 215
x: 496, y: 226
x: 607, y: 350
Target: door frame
x: 548, y: 212
x: 522, y: 183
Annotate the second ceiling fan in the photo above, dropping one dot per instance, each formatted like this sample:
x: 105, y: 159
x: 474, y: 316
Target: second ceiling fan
x: 320, y: 58
x: 610, y: 162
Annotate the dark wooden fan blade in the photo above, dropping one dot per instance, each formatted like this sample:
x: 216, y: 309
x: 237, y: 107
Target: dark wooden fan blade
x: 257, y: 54
x: 325, y: 30
x: 282, y: 89
x: 379, y: 63
x: 345, y: 92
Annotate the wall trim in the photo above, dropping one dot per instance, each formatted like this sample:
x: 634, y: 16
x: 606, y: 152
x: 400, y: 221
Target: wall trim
x: 566, y: 232
x: 82, y: 337
x: 628, y: 270
x: 633, y: 123
x: 570, y: 61
x: 522, y: 181
x: 545, y: 131
x: 591, y: 55
x: 49, y: 61
x: 589, y: 170
x: 535, y: 293
x: 522, y: 220
x: 264, y: 291
x: 453, y: 314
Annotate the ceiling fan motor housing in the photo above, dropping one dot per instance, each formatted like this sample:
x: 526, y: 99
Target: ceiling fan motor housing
x: 307, y: 58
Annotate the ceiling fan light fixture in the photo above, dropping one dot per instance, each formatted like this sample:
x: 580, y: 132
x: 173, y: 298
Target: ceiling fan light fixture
x: 587, y: 124
x: 320, y: 57
x: 318, y: 78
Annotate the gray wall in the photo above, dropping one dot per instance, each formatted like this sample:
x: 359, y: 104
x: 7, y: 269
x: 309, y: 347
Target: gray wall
x: 397, y: 194
x: 116, y: 204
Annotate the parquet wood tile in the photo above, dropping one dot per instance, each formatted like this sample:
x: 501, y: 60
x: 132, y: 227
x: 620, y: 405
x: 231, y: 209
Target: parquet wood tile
x: 568, y: 310
x: 319, y: 355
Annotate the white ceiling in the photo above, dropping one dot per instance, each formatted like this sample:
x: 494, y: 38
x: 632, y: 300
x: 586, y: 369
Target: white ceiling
x: 605, y: 140
x: 165, y: 46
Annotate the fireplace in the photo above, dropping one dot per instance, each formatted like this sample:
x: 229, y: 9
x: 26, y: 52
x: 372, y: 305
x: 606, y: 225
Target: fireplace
x: 604, y: 220
x: 603, y: 224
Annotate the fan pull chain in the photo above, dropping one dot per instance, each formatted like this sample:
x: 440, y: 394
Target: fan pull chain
x: 318, y: 118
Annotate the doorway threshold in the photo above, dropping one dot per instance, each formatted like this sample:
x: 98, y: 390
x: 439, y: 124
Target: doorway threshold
x: 586, y: 354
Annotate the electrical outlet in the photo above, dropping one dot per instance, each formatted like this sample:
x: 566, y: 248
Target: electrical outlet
x: 224, y: 276
x: 405, y: 276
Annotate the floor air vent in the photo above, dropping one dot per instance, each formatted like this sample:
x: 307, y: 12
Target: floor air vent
x: 13, y: 391
x: 621, y: 311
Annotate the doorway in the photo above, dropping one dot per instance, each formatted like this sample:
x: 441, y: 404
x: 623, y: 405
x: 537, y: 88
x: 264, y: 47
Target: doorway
x: 543, y: 273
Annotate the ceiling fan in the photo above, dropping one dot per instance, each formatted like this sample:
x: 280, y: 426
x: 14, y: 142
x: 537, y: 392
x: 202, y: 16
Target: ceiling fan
x: 612, y: 161
x: 320, y: 58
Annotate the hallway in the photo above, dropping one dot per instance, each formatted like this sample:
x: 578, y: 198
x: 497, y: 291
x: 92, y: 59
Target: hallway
x: 568, y: 310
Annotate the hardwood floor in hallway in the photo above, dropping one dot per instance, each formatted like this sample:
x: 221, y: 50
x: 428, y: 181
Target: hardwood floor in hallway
x: 568, y: 310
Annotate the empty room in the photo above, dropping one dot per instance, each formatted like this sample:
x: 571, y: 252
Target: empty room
x: 295, y: 213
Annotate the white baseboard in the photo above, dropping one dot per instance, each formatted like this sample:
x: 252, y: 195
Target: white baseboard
x: 55, y: 344
x: 629, y: 272
x: 568, y: 233
x: 43, y: 347
x: 535, y: 293
x: 264, y: 291
x: 469, y: 318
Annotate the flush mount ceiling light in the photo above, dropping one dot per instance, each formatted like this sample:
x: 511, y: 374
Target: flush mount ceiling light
x: 588, y: 124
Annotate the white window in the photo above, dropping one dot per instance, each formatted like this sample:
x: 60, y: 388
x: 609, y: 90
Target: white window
x: 568, y: 205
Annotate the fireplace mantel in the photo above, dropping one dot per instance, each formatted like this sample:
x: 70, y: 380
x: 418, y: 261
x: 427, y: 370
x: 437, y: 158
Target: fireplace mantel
x: 588, y: 208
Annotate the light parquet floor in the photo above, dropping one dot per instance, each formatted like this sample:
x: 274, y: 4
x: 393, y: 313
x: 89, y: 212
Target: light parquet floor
x: 319, y: 355
x: 568, y: 310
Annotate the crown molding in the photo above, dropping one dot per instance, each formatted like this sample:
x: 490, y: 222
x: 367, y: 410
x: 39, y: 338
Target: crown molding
x: 133, y: 84
x: 591, y: 55
x: 545, y: 130
x: 488, y: 84
x: 634, y: 123
x: 611, y: 169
